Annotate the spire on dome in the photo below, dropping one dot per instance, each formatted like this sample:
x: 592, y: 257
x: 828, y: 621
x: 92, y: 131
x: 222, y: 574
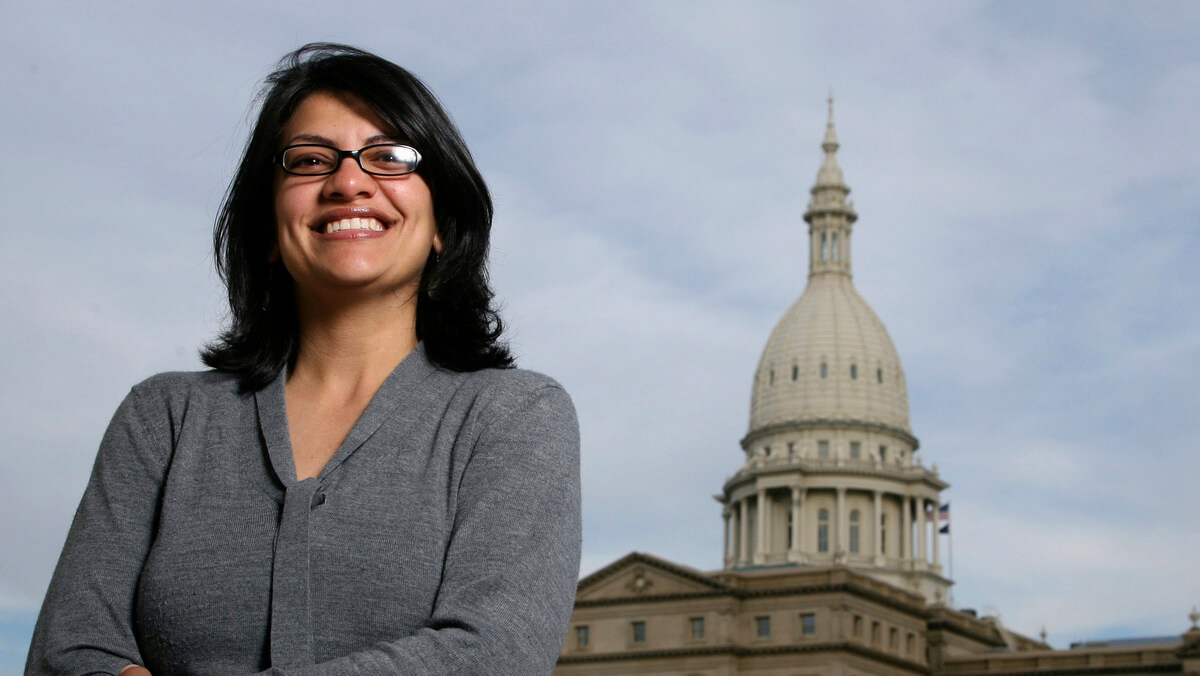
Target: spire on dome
x: 830, y: 215
x: 830, y: 174
x: 830, y: 144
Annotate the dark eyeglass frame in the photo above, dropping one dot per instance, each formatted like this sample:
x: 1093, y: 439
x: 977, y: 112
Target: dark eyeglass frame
x: 343, y: 154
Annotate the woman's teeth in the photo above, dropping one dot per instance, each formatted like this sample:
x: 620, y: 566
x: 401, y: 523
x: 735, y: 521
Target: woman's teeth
x: 353, y: 224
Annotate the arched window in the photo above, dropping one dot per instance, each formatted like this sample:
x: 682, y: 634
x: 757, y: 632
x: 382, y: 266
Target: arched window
x: 795, y: 372
x: 824, y: 248
x: 824, y: 370
x: 772, y: 377
x: 879, y: 375
x: 883, y: 533
x: 854, y: 372
x: 833, y: 253
x: 854, y: 523
x: 823, y: 530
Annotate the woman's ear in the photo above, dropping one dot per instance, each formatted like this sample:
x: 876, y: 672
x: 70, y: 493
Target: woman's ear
x: 437, y: 243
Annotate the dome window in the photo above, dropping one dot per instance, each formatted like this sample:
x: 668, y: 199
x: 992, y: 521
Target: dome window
x: 854, y: 372
x: 855, y: 518
x: 767, y: 451
x: 795, y: 372
x: 824, y: 370
x: 823, y: 531
x: 771, y: 380
x: 879, y: 375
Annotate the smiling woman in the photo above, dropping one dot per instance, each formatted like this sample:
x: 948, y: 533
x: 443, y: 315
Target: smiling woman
x: 348, y: 491
x: 344, y: 232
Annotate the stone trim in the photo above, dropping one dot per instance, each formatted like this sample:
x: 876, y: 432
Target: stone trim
x: 743, y: 651
x: 914, y: 609
x: 660, y: 598
x: 755, y: 435
x: 1073, y: 671
x: 648, y: 560
x: 905, y: 475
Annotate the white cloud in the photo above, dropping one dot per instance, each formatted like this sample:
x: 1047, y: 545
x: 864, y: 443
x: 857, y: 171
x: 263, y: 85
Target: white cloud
x: 1026, y: 186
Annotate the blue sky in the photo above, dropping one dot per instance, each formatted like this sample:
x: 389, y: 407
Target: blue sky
x: 1027, y: 182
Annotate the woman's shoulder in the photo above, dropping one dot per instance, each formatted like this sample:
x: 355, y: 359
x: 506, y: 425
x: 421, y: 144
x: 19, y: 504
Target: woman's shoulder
x: 181, y: 386
x: 502, y: 391
x: 514, y: 379
x: 511, y: 383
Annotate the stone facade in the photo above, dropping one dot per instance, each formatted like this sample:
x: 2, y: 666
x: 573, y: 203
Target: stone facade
x: 832, y: 561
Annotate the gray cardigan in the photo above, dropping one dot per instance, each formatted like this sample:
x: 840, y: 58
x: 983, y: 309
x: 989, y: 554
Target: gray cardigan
x: 442, y: 537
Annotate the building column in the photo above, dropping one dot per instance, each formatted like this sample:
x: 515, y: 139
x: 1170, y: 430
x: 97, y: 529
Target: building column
x: 763, y: 535
x: 797, y: 505
x: 922, y: 530
x: 906, y: 534
x: 846, y: 251
x: 839, y: 540
x: 878, y: 528
x: 743, y: 543
x: 725, y: 554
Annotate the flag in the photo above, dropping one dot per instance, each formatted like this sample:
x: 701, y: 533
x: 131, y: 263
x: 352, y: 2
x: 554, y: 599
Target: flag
x: 944, y: 515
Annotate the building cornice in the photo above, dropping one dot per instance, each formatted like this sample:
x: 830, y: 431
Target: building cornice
x: 732, y: 587
x: 633, y: 558
x: 833, y: 423
x: 1091, y: 670
x: 744, y: 651
x: 832, y: 467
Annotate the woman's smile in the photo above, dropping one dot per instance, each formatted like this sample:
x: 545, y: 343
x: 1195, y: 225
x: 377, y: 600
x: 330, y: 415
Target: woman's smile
x: 350, y: 223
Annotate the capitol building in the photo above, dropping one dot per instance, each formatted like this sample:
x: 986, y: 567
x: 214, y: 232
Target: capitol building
x: 832, y: 555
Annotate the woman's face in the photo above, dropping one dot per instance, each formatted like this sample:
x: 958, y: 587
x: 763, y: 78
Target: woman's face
x: 350, y: 233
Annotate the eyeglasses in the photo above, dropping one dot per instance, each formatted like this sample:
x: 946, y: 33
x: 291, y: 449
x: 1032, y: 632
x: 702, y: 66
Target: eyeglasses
x: 380, y: 159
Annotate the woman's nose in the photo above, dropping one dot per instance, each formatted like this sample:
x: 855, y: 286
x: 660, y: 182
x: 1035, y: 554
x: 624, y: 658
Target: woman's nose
x: 349, y: 181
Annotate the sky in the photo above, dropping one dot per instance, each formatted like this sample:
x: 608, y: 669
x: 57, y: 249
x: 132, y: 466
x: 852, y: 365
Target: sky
x: 1027, y: 179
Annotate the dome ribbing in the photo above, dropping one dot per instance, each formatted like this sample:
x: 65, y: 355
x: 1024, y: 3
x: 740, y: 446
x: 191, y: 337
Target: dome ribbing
x: 829, y: 358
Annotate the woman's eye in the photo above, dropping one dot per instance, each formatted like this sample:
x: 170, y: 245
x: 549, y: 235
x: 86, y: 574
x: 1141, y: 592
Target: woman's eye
x: 384, y: 157
x: 390, y: 159
x: 310, y: 161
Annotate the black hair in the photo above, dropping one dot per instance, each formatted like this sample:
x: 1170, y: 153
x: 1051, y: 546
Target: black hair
x: 455, y: 317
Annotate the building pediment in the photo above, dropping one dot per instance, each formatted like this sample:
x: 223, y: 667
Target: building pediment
x: 638, y: 575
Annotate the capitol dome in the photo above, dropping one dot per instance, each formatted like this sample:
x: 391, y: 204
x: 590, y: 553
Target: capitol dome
x: 829, y: 359
x: 831, y: 475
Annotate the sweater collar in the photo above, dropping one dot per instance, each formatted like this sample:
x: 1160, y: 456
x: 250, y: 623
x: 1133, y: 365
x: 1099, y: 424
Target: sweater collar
x: 403, y: 384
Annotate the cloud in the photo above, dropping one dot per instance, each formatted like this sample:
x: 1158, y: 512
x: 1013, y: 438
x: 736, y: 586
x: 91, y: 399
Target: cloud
x: 1026, y: 186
